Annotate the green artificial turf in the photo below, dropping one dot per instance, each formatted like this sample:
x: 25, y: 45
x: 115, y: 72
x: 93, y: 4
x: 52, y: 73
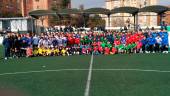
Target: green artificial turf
x: 1, y: 52
x: 73, y: 82
x: 131, y: 83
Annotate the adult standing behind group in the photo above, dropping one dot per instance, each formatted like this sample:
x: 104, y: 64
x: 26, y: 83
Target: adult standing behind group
x: 7, y: 45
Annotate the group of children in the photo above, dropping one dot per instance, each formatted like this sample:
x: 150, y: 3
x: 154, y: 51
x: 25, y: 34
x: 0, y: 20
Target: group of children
x: 103, y: 43
x: 66, y: 44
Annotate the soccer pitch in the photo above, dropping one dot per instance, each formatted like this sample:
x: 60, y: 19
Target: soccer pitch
x: 113, y: 75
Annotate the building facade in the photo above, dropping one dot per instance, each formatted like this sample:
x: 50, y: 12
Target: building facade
x: 9, y: 8
x: 124, y: 19
x: 31, y: 5
x: 166, y: 19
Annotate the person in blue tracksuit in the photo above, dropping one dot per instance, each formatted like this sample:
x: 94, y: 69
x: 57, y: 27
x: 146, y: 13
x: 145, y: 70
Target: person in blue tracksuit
x: 7, y: 45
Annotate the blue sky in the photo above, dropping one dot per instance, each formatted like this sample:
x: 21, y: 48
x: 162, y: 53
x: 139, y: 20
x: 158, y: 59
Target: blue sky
x: 100, y: 3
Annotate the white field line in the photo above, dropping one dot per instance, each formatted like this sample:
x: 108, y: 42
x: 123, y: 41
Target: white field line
x: 59, y: 70
x: 87, y: 90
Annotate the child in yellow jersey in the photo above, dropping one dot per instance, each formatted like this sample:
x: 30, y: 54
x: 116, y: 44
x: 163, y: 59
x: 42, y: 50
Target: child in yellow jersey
x: 56, y: 51
x: 63, y: 52
x: 40, y: 51
x: 48, y: 51
x: 35, y: 52
x: 44, y: 51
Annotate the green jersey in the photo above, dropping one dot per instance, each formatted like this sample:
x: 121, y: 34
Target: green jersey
x: 103, y: 45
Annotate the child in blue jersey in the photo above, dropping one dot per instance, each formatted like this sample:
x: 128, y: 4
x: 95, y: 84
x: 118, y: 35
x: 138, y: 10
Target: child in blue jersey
x: 164, y: 44
x: 154, y: 34
x: 151, y: 44
x: 144, y: 44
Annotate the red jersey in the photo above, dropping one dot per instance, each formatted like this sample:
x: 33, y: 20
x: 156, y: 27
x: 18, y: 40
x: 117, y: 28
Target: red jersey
x: 100, y: 49
x: 99, y: 44
x: 94, y: 44
x: 83, y: 50
x: 139, y: 45
x: 117, y: 42
x: 114, y: 50
x: 71, y: 40
x: 29, y: 52
x: 77, y: 41
x: 95, y: 49
x: 106, y: 51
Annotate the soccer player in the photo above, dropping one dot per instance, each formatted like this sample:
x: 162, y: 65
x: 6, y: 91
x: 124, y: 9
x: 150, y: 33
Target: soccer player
x: 63, y: 52
x: 95, y: 50
x: 100, y: 49
x: 158, y: 43
x: 144, y: 44
x: 56, y: 51
x: 113, y: 50
x: 40, y: 51
x: 106, y: 51
x: 29, y: 52
x: 151, y: 43
x: 165, y: 44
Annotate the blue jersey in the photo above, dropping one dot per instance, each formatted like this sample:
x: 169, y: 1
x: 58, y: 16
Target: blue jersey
x: 160, y: 34
x: 154, y: 35
x: 164, y: 41
x: 151, y: 41
x: 144, y: 42
x: 123, y: 39
x: 165, y: 34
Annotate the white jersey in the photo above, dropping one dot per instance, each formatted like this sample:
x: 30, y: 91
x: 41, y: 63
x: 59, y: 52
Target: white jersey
x: 158, y: 40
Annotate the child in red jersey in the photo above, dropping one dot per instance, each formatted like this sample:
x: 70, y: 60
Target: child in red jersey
x: 77, y: 41
x: 106, y: 51
x: 94, y: 44
x: 113, y: 51
x: 95, y: 50
x: 71, y: 41
x: 100, y: 49
x: 84, y: 50
x: 139, y: 46
x: 29, y: 52
x: 117, y: 42
x: 99, y: 43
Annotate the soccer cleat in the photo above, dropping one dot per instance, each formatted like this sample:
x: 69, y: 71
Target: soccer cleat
x: 166, y: 52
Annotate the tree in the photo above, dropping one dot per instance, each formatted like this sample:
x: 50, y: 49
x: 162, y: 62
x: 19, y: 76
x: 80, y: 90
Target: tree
x: 65, y: 3
x: 95, y: 21
x: 59, y: 20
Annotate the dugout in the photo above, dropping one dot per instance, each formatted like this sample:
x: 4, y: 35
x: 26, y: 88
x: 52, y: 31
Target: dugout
x: 20, y: 24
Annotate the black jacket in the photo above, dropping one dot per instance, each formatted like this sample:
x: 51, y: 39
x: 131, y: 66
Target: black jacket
x: 6, y: 43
